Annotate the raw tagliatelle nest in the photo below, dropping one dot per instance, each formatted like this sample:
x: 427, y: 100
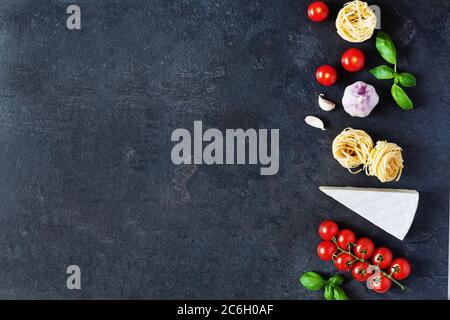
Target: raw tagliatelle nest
x: 356, y: 22
x: 351, y: 148
x: 385, y: 162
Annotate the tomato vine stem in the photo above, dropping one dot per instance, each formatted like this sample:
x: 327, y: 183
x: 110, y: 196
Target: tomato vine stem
x: 364, y: 261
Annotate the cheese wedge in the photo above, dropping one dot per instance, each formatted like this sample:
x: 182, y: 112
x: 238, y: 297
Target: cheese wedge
x: 392, y: 210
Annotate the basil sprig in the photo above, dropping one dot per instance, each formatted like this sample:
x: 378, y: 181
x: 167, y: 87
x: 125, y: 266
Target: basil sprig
x: 332, y: 290
x: 387, y: 50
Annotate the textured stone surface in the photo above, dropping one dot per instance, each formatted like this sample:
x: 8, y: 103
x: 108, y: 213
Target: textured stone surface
x: 85, y: 170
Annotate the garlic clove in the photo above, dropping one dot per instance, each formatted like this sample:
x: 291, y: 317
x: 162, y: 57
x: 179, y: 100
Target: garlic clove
x: 315, y: 122
x: 325, y: 104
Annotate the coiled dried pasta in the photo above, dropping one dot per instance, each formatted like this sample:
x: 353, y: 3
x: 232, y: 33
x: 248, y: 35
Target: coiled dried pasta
x: 351, y: 148
x: 356, y: 22
x: 385, y: 162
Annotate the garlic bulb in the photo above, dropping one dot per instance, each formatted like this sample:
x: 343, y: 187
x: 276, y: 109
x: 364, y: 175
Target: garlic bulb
x: 325, y: 104
x: 359, y: 99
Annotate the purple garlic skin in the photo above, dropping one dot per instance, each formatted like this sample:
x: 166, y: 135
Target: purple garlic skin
x: 359, y: 99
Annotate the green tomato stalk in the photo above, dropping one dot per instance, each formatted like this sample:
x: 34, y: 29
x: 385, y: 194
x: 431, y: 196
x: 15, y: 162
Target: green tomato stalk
x: 389, y: 276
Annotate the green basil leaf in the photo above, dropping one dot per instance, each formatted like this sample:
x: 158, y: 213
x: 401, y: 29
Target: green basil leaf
x: 401, y: 97
x: 336, y: 280
x: 329, y: 292
x: 312, y: 281
x: 339, y: 294
x: 383, y: 72
x: 407, y: 79
x: 386, y: 47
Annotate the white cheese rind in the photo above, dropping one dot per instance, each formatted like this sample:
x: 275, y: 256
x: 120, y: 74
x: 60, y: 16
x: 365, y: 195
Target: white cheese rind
x: 392, y: 210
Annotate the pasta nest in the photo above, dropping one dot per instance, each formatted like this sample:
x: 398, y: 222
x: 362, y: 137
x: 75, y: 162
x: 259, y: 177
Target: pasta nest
x: 385, y: 162
x: 356, y: 22
x: 354, y: 148
x: 351, y: 148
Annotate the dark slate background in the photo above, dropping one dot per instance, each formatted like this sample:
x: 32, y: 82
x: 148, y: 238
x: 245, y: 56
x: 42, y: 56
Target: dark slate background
x: 85, y: 170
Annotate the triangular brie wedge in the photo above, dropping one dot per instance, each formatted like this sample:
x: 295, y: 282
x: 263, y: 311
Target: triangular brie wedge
x: 392, y: 210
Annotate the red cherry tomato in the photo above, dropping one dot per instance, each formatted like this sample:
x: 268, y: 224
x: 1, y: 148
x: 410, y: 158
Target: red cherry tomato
x: 382, y: 257
x: 343, y: 261
x: 328, y: 229
x: 400, y: 268
x: 326, y: 75
x: 345, y: 238
x: 325, y: 250
x: 318, y: 11
x: 360, y: 271
x: 364, y: 248
x: 381, y: 284
x: 353, y: 60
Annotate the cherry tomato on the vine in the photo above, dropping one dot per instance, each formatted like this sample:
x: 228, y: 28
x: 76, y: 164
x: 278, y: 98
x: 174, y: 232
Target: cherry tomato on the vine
x: 325, y: 250
x: 353, y: 60
x: 361, y: 272
x: 343, y: 261
x: 381, y: 284
x: 345, y: 238
x: 318, y: 11
x: 328, y: 229
x: 382, y: 257
x: 400, y: 268
x: 326, y: 75
x: 364, y: 248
